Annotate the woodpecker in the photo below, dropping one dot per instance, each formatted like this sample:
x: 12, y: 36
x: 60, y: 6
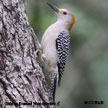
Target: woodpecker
x: 55, y: 45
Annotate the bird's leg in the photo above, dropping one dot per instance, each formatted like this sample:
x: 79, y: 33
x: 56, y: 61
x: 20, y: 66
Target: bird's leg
x: 43, y: 57
x: 39, y: 50
x: 39, y: 53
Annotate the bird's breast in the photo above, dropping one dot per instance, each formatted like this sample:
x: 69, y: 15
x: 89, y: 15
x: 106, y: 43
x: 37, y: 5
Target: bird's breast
x: 48, y: 42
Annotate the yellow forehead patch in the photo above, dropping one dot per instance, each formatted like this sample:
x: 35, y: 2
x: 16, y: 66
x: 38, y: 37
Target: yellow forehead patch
x: 61, y: 10
x: 65, y: 10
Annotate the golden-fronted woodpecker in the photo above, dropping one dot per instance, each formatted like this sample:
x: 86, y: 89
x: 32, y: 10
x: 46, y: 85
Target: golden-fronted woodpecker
x: 55, y: 45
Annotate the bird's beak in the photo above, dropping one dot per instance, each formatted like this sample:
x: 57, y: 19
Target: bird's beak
x: 53, y: 7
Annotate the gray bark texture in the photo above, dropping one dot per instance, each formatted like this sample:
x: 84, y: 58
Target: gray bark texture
x: 22, y: 79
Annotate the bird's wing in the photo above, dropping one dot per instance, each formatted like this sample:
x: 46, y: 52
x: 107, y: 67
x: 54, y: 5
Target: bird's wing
x: 62, y: 46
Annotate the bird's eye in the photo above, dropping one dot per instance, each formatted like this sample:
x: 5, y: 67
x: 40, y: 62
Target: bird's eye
x: 65, y: 13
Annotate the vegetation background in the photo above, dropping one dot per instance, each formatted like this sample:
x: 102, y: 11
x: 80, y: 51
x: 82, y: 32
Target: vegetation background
x: 86, y: 73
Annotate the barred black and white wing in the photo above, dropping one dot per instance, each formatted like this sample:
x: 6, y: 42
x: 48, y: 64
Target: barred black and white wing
x: 62, y: 46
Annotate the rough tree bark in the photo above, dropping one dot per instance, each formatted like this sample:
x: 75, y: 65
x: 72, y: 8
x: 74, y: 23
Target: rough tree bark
x: 21, y: 76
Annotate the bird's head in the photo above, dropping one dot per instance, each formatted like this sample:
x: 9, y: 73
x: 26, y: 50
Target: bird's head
x: 64, y: 15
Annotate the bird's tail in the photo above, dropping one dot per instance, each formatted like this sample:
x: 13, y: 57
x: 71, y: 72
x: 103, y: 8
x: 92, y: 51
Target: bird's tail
x: 53, y: 87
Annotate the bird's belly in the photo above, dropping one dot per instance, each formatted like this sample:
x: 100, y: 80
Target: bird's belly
x: 50, y: 54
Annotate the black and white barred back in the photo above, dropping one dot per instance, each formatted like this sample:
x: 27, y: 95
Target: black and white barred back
x: 62, y: 46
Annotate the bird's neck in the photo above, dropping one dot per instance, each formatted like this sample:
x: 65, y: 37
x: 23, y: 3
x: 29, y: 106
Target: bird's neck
x: 64, y: 25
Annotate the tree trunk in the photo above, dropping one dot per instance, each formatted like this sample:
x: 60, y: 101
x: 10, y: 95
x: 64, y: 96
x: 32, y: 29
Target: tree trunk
x: 22, y: 80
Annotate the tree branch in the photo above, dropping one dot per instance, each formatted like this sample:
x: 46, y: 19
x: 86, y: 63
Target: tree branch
x: 21, y: 77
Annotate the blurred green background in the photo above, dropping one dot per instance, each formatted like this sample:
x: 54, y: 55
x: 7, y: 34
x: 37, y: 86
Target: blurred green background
x: 86, y: 73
